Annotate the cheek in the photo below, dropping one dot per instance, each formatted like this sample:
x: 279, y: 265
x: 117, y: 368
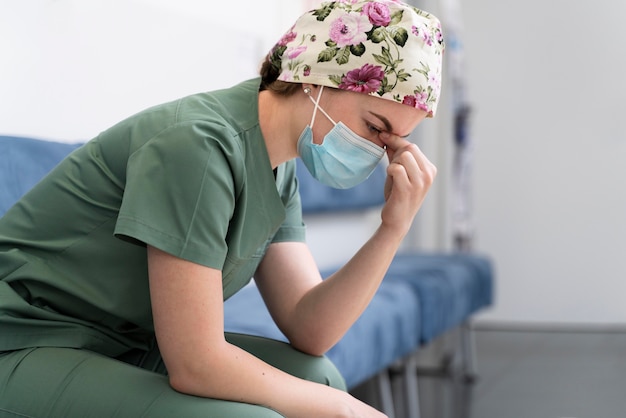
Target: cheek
x: 320, y: 129
x: 370, y: 135
x: 318, y: 139
x: 378, y: 142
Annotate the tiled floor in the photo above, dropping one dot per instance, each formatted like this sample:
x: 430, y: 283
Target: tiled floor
x: 541, y: 374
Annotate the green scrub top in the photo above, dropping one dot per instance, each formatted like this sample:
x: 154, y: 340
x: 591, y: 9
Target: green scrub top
x: 191, y: 177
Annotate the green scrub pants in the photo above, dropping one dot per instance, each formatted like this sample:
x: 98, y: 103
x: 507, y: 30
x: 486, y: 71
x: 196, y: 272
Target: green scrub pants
x: 68, y: 383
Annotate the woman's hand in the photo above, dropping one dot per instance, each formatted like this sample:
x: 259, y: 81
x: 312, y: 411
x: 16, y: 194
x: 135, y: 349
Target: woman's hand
x: 355, y: 408
x: 409, y: 177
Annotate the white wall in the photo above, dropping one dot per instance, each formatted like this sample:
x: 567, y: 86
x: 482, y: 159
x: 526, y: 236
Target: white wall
x: 71, y: 68
x: 547, y: 82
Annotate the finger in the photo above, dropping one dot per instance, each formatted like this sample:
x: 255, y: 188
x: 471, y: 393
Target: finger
x: 422, y: 160
x: 392, y: 143
x: 419, y: 170
x: 410, y: 167
x: 396, y: 144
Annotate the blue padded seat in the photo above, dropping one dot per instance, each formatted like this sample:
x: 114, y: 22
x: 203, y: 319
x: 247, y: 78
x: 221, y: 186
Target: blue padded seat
x: 387, y: 330
x: 450, y: 286
x: 422, y: 296
x: 25, y: 161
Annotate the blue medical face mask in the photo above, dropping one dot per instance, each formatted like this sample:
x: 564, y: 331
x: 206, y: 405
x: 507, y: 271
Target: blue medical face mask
x: 343, y: 159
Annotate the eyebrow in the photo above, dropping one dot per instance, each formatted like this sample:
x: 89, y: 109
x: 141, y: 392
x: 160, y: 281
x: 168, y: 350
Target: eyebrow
x: 387, y: 124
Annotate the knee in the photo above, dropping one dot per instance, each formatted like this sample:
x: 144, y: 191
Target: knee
x: 324, y: 371
x: 286, y: 358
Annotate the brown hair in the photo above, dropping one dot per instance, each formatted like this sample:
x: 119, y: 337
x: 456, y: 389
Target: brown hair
x: 269, y: 80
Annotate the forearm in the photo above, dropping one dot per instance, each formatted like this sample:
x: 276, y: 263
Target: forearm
x: 329, y: 309
x: 188, y: 317
x: 230, y: 373
x: 315, y: 314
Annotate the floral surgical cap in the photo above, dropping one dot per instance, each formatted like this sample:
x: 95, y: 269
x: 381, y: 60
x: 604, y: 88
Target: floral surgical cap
x: 382, y: 48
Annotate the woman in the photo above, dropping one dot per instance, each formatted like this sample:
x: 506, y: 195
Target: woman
x: 114, y: 268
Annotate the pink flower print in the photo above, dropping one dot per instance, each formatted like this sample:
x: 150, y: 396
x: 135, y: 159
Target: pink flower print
x: 428, y: 40
x: 366, y: 79
x: 377, y: 13
x: 350, y: 29
x: 286, y: 75
x: 434, y: 81
x: 288, y: 37
x: 409, y: 100
x: 307, y: 70
x: 418, y: 100
x: 295, y: 51
x: 422, y: 101
x: 423, y: 32
x: 439, y: 36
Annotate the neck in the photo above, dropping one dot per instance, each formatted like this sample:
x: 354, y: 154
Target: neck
x: 278, y: 127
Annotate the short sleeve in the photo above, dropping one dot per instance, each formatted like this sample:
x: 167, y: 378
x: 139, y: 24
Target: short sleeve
x: 179, y: 194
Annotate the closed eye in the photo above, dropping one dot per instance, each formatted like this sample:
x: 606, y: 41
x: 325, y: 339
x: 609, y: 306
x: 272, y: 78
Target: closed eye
x: 374, y: 129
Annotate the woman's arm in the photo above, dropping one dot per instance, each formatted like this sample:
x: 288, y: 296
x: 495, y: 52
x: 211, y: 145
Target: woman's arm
x: 315, y: 314
x: 188, y: 318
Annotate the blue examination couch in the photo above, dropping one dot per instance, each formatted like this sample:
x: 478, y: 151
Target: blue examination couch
x: 423, y: 296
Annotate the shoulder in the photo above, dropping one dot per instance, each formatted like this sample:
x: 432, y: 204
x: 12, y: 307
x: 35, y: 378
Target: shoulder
x: 234, y: 108
x: 208, y: 120
x: 231, y: 110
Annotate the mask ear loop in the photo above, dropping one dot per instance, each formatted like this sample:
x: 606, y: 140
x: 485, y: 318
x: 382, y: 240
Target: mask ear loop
x: 317, y: 106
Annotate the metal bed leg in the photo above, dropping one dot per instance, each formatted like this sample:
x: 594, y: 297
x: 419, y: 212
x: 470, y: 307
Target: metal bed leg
x: 411, y: 388
x: 385, y: 393
x: 468, y: 353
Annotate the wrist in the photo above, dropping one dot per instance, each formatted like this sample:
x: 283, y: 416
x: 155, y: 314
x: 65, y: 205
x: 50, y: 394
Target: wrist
x: 391, y: 235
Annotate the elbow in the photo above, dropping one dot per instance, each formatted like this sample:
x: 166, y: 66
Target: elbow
x: 311, y: 350
x: 184, y: 384
x: 196, y: 381
x: 312, y: 337
x: 311, y: 344
x: 178, y: 385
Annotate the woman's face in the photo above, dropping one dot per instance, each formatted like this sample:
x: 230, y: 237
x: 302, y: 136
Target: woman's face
x: 366, y: 115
